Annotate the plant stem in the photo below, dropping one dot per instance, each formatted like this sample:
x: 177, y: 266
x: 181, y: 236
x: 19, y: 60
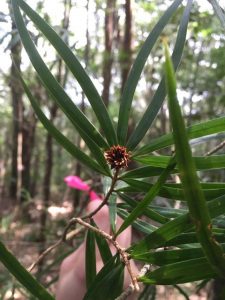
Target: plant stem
x: 114, y: 180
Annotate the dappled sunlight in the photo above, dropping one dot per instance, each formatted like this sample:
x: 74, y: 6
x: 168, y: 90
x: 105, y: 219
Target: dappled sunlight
x: 59, y: 211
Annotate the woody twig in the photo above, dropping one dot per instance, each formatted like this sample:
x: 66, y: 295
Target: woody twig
x: 130, y: 289
x: 104, y: 202
x: 71, y: 235
x: 124, y: 255
x: 214, y: 150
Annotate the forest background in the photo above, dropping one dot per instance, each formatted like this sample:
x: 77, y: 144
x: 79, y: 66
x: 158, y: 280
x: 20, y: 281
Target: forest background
x: 35, y: 203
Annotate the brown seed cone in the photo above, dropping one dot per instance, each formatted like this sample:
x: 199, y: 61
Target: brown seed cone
x: 117, y: 157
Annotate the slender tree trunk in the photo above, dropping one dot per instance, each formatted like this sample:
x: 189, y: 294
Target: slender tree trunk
x: 108, y: 55
x: 4, y: 162
x: 17, y: 108
x: 47, y: 179
x: 28, y: 136
x: 126, y: 57
x: 35, y: 173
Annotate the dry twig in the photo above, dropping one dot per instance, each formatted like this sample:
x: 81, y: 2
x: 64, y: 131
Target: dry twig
x: 114, y: 179
x: 218, y: 147
x: 130, y: 289
x: 66, y: 237
x: 122, y: 252
x: 71, y: 235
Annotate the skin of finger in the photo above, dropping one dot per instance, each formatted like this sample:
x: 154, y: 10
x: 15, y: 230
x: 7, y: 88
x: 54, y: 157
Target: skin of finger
x: 71, y: 285
x: 72, y: 270
x: 102, y: 221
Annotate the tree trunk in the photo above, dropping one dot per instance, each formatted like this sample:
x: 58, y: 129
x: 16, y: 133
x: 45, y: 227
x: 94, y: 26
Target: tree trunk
x: 126, y: 56
x: 4, y: 162
x: 108, y: 57
x: 28, y: 136
x: 17, y: 110
x: 35, y: 173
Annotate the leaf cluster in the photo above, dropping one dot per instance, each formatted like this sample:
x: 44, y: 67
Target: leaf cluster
x: 196, y: 244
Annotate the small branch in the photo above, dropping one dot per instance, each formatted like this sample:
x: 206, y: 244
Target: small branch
x: 218, y: 147
x: 130, y: 289
x: 114, y: 179
x: 68, y: 237
x: 72, y: 234
x: 43, y: 254
x: 122, y: 252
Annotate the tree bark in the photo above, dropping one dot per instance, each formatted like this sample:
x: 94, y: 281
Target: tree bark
x: 126, y: 56
x: 17, y: 110
x: 28, y: 137
x: 108, y: 55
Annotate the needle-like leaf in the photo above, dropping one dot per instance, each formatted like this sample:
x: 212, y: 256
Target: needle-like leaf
x: 158, y: 98
x: 137, y: 69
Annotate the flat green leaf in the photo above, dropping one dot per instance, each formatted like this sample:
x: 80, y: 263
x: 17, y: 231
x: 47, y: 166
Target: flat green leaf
x: 136, y: 70
x: 150, y: 213
x: 90, y: 258
x: 169, y: 212
x: 203, y: 129
x: 158, y: 98
x: 22, y: 275
x: 77, y: 70
x: 165, y: 257
x: 173, y: 228
x: 142, y: 172
x: 60, y: 138
x: 111, y: 275
x: 103, y: 247
x: 159, y: 237
x: 138, y: 224
x: 202, y: 162
x: 204, y: 185
x: 197, y: 205
x: 218, y: 11
x: 148, y: 197
x: 87, y: 131
x: 169, y: 192
x: 186, y: 271
x: 151, y: 171
x: 112, y: 211
x: 191, y: 238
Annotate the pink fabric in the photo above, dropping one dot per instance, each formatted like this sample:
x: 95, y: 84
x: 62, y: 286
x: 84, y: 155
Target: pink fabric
x: 76, y: 182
